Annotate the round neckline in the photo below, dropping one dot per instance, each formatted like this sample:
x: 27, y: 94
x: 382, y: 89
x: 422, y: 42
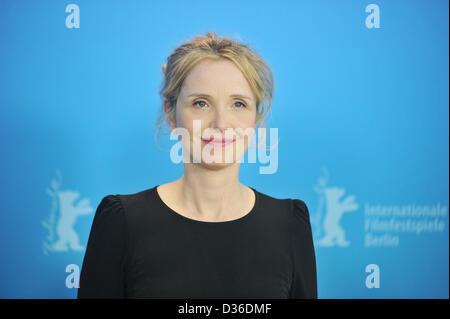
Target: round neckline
x: 196, y: 221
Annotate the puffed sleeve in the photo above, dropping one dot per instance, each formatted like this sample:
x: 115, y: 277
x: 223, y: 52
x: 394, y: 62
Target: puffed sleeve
x: 304, y: 285
x: 102, y: 273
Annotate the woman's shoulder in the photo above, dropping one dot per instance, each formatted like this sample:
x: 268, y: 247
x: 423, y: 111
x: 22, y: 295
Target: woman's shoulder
x: 133, y: 211
x: 300, y: 210
x: 293, y: 210
x: 126, y: 204
x: 110, y: 205
x: 292, y: 207
x: 136, y: 199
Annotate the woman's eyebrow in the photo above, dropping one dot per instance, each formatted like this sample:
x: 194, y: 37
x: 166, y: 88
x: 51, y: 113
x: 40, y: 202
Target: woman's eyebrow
x: 241, y: 96
x: 232, y: 95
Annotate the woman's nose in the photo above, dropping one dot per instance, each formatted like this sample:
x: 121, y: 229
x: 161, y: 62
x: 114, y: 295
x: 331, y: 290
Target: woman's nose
x: 221, y: 120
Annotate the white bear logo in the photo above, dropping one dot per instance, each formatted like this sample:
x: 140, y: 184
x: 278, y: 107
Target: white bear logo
x: 335, y: 207
x: 69, y: 210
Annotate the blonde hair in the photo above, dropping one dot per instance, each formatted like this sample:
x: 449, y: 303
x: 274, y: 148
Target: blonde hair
x: 209, y: 46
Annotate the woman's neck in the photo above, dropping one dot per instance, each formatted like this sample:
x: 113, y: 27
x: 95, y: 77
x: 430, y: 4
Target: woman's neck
x: 212, y: 195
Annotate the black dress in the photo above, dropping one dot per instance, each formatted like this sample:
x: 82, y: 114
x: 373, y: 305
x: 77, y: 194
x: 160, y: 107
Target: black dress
x: 138, y: 247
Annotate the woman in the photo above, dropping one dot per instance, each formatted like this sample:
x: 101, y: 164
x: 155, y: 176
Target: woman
x: 205, y: 235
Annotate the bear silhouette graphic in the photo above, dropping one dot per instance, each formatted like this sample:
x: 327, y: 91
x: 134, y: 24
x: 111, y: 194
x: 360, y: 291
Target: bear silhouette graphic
x: 61, y: 235
x: 69, y: 212
x: 335, y: 208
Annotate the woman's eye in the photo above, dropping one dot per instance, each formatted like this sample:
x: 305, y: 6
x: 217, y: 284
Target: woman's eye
x: 201, y: 106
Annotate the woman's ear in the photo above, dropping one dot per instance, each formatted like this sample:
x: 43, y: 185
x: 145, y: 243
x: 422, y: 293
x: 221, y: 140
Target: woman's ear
x: 169, y: 114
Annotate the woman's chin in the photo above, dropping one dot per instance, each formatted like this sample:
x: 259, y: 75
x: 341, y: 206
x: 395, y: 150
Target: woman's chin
x: 216, y: 166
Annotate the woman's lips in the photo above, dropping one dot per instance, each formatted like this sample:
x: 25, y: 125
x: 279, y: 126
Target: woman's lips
x: 217, y: 141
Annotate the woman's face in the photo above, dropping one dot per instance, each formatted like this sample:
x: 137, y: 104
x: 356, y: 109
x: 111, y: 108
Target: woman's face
x: 217, y: 94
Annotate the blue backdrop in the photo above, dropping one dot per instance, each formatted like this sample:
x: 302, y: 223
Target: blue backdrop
x: 361, y: 107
